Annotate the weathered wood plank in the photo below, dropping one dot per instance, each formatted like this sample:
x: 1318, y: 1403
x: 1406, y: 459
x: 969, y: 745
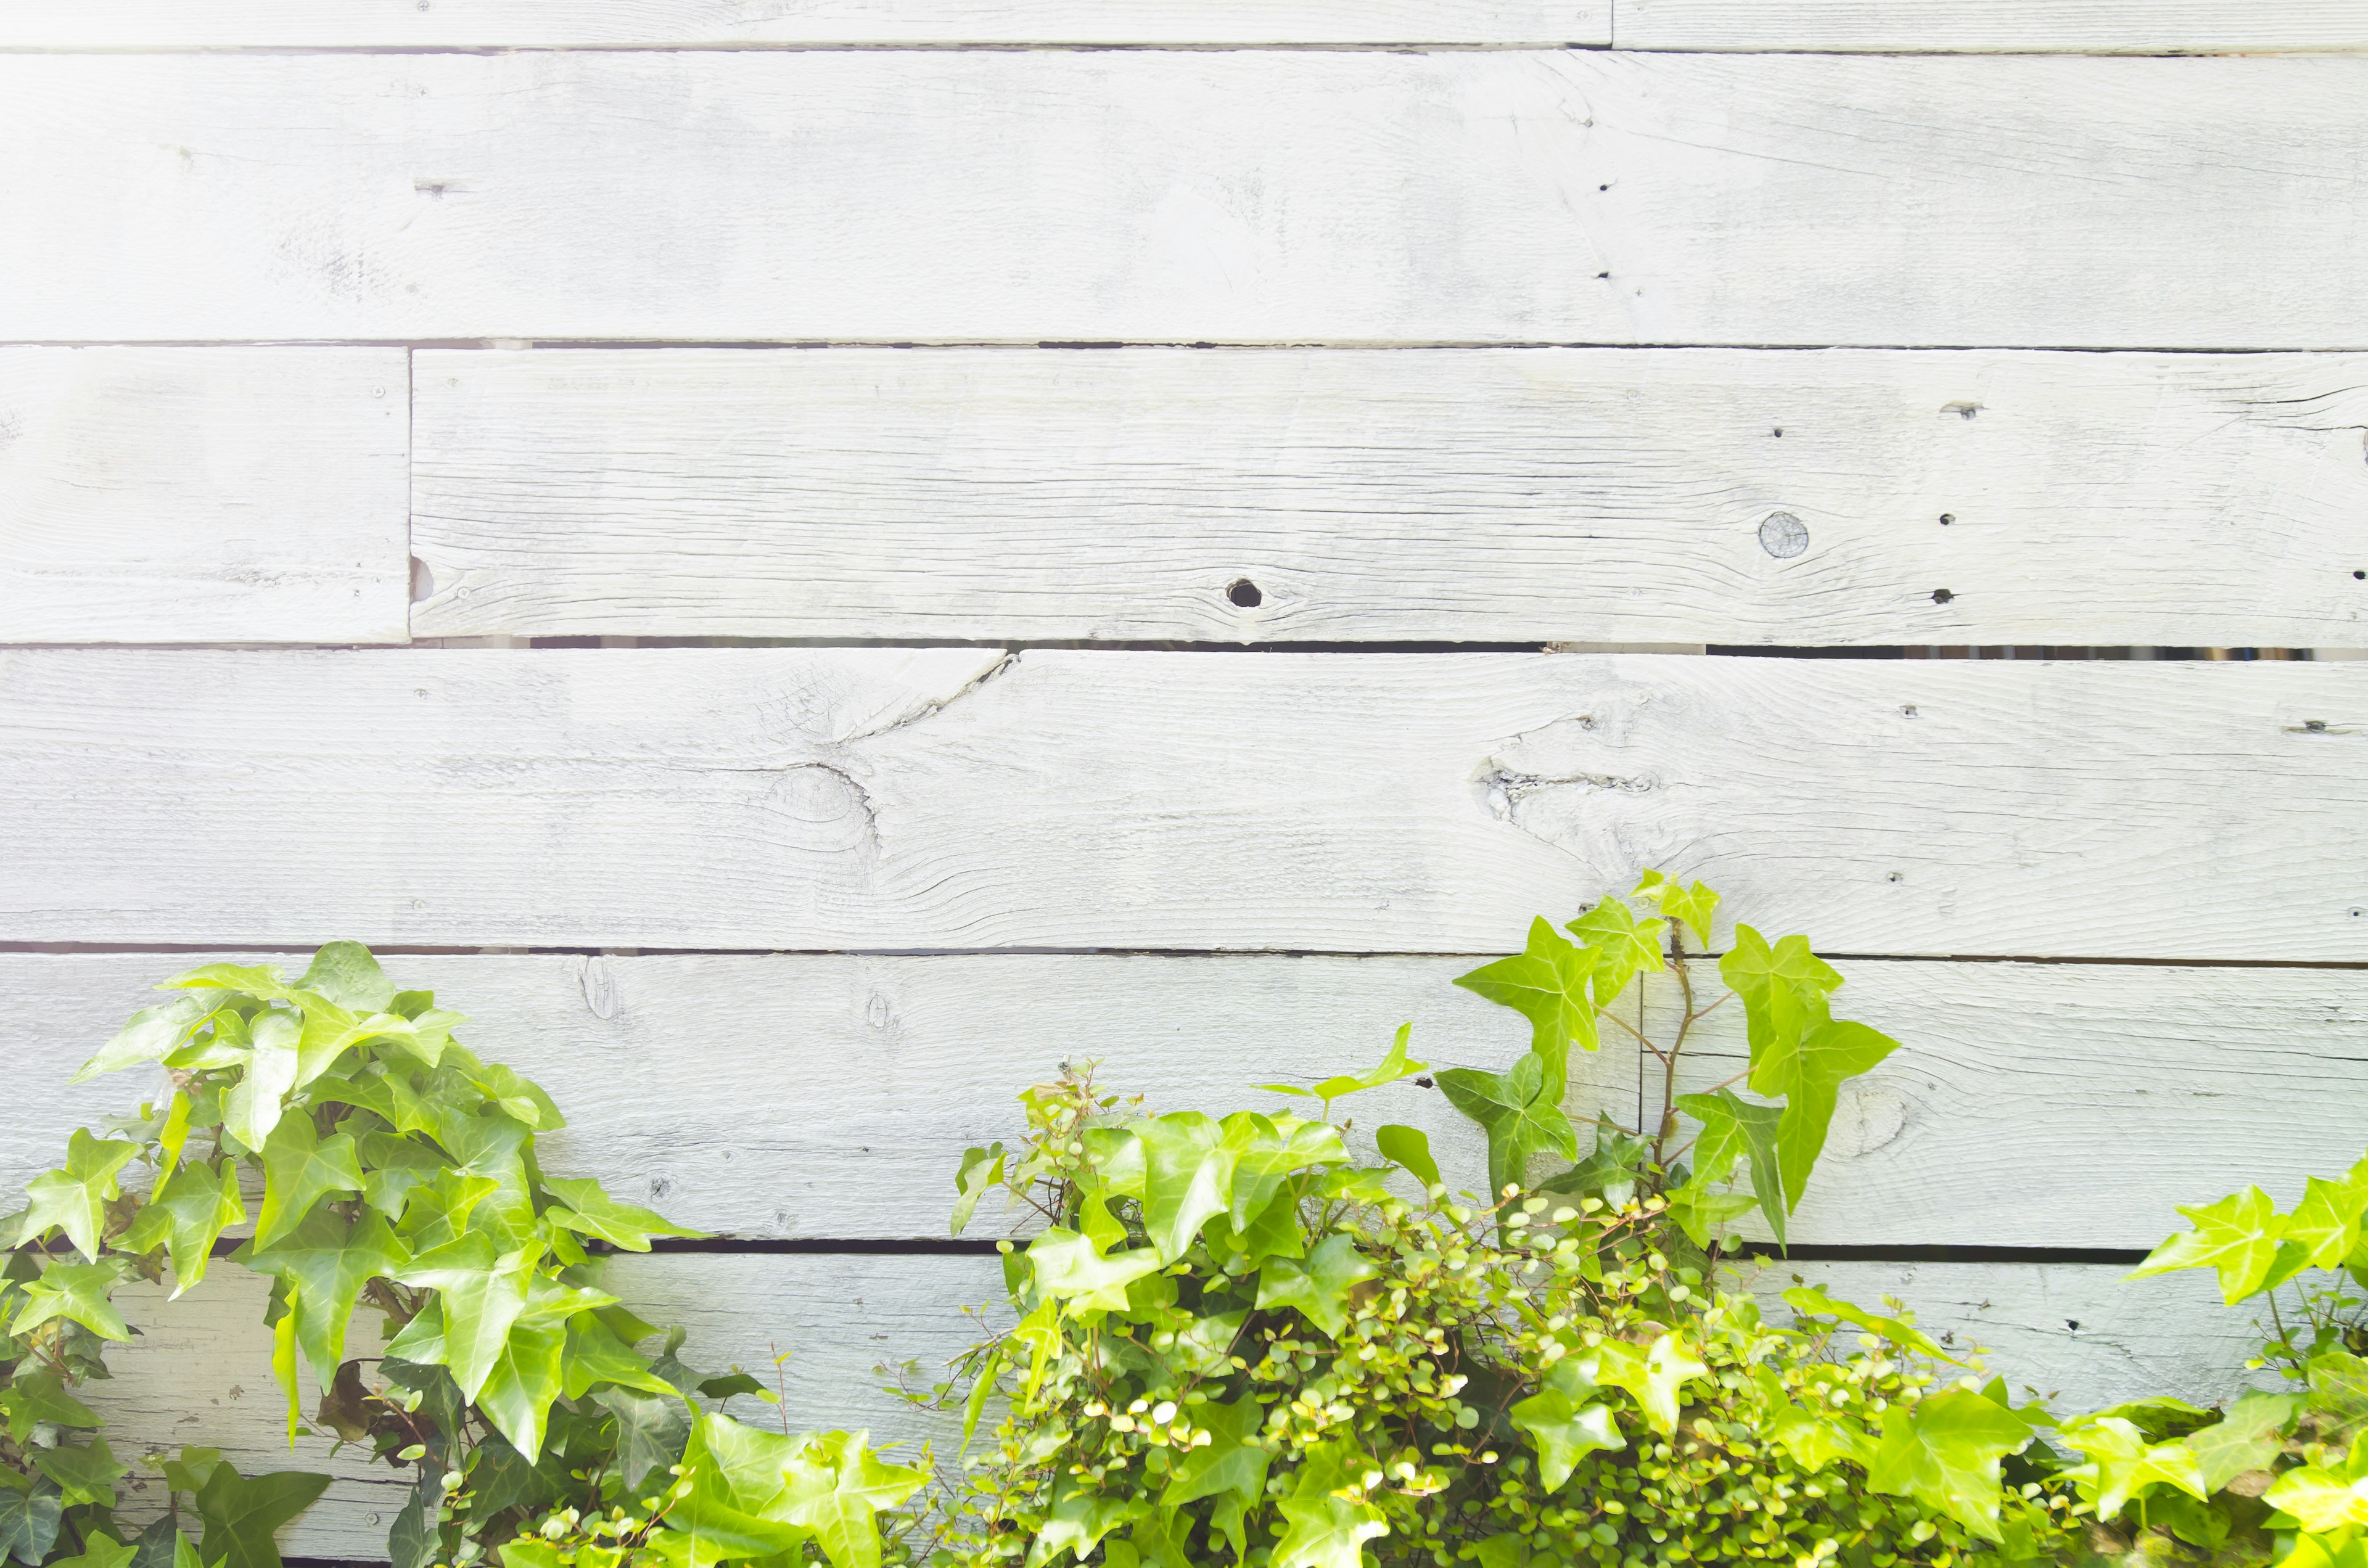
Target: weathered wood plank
x: 526, y: 24
x: 201, y: 1370
x: 2097, y: 27
x: 1497, y: 196
x: 2056, y: 1105
x: 960, y: 798
x: 214, y: 494
x: 1483, y: 495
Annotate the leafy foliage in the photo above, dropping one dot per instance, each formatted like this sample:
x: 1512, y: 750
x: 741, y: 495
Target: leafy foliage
x: 397, y: 1172
x: 1235, y: 1342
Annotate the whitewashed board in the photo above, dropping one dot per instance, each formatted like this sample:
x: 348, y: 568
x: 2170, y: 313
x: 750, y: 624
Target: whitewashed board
x: 840, y: 1316
x: 962, y: 799
x: 2029, y: 1105
x: 743, y: 24
x: 2105, y: 27
x: 1720, y: 496
x: 203, y: 494
x: 1151, y: 196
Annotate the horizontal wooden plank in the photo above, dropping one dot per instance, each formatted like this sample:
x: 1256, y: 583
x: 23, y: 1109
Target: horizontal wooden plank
x: 2097, y: 27
x: 216, y: 495
x: 519, y: 24
x: 201, y: 1370
x: 2029, y: 1105
x: 1482, y: 495
x: 1016, y: 195
x: 893, y: 798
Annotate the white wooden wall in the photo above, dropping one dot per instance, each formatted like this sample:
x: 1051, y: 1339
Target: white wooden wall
x: 802, y: 561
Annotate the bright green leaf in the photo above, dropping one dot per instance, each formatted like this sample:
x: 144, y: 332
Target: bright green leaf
x: 75, y: 1291
x: 1325, y: 1527
x: 74, y: 1199
x: 87, y: 1473
x: 1070, y: 1267
x: 1944, y: 1452
x: 1547, y: 983
x: 1320, y: 1288
x: 593, y: 1213
x: 187, y: 1215
x: 1695, y: 904
x: 1624, y: 946
x: 1410, y: 1147
x: 151, y: 1032
x: 252, y: 1107
x: 1654, y: 1376
x: 2238, y: 1236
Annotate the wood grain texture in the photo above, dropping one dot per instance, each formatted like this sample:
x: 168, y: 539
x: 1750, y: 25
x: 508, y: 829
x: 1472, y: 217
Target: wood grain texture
x: 2097, y: 27
x: 522, y: 24
x: 214, y: 494
x: 842, y: 1316
x: 2031, y: 1106
x: 875, y: 799
x: 1448, y: 495
x: 1168, y: 196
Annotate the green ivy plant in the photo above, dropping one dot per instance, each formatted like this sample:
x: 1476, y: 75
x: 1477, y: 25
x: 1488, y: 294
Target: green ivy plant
x: 2276, y: 1475
x: 396, y: 1171
x: 1234, y: 1342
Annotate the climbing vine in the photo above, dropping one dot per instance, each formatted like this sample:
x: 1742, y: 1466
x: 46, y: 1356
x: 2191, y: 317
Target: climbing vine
x: 389, y: 1169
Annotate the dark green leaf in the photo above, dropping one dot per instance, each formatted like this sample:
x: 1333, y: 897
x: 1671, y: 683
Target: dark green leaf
x: 29, y: 1520
x: 650, y: 1431
x: 241, y: 1516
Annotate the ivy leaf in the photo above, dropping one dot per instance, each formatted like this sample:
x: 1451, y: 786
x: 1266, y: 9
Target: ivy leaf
x: 1654, y: 1376
x: 1231, y: 1461
x: 839, y: 1486
x: 650, y: 1431
x: 1699, y: 1212
x: 151, y: 1033
x: 1783, y: 988
x: 2250, y: 1435
x: 300, y: 1168
x: 1614, y: 1169
x: 1695, y: 904
x: 1814, y: 1438
x: 99, y: 1550
x: 1518, y: 1115
x: 593, y: 1213
x: 84, y: 1474
x: 187, y: 1215
x: 1320, y: 1288
x: 1944, y: 1451
x: 252, y: 1107
x: 162, y: 1545
x: 1071, y: 1268
x: 1325, y: 1529
x: 1393, y: 1067
x: 1408, y: 1147
x: 521, y: 1383
x: 2121, y: 1464
x: 1733, y: 1127
x: 324, y: 1264
x: 77, y: 1292
x: 1624, y: 946
x: 1079, y: 1517
x: 347, y: 975
x: 29, y: 1521
x: 260, y: 981
x: 1808, y: 1069
x: 32, y: 1398
x: 415, y: 1539
x: 1547, y: 983
x: 980, y: 1169
x: 74, y: 1199
x: 2324, y: 1500
x: 2325, y: 1223
x: 2339, y: 1386
x: 1564, y: 1424
x: 2238, y: 1236
x: 241, y: 1516
x: 597, y: 1354
x: 1810, y: 1301
x: 479, y: 1295
x: 1188, y: 1179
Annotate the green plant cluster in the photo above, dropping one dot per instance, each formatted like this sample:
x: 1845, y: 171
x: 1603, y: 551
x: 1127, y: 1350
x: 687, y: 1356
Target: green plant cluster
x: 396, y: 1171
x: 2279, y: 1474
x: 1234, y: 1343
